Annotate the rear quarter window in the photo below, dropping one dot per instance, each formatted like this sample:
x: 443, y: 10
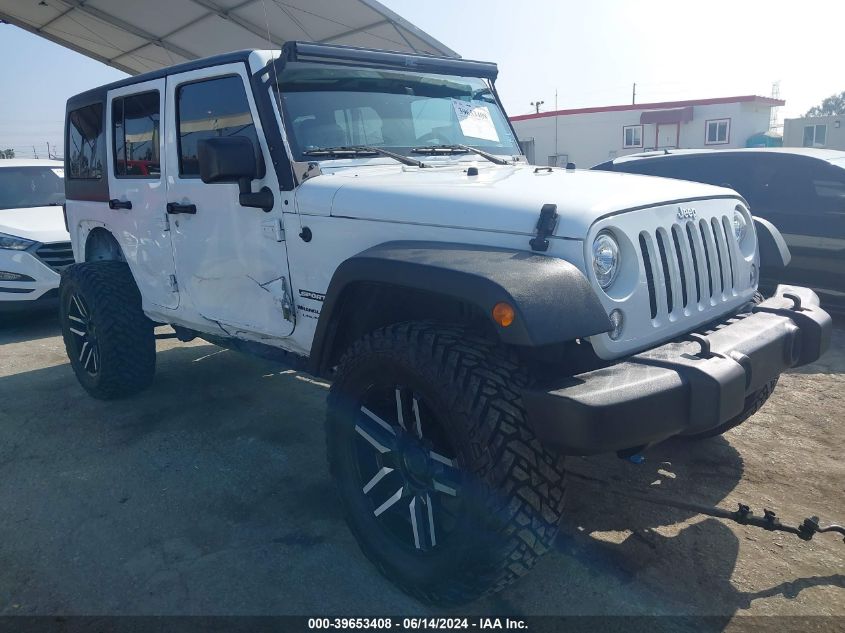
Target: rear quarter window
x: 85, y: 143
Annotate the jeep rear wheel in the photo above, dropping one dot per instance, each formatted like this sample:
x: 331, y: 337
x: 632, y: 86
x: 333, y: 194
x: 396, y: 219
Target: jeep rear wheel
x: 109, y: 340
x: 445, y: 487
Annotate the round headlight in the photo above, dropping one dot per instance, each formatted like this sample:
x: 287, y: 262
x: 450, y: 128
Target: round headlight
x: 605, y: 259
x: 740, y: 226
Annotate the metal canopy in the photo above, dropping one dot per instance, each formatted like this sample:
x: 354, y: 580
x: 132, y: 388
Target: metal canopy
x: 138, y: 36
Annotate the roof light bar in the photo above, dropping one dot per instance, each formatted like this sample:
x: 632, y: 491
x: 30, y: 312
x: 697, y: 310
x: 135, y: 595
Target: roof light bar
x: 350, y: 55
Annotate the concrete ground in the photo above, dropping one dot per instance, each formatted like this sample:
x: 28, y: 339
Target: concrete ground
x: 209, y: 494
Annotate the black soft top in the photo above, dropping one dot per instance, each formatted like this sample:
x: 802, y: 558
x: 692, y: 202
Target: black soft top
x: 99, y: 93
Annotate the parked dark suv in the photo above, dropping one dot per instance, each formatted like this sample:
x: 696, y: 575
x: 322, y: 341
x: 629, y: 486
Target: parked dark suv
x: 801, y: 191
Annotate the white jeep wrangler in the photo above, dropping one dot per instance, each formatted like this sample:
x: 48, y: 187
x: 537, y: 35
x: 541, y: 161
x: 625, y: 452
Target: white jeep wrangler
x: 368, y: 217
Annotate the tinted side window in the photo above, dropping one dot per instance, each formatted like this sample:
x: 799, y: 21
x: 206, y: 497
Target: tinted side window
x: 656, y: 167
x: 722, y: 170
x: 135, y: 131
x: 209, y: 109
x: 829, y: 187
x: 85, y: 142
x: 781, y: 184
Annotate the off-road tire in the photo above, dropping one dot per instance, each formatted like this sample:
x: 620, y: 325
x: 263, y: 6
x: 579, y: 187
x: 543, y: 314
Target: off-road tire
x: 515, y: 486
x: 752, y: 406
x: 124, y: 335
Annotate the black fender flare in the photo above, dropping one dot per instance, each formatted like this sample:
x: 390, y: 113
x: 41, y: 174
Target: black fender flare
x: 552, y: 299
x: 102, y: 245
x: 774, y: 253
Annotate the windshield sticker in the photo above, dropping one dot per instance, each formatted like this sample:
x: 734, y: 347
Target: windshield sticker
x: 475, y: 120
x: 59, y: 172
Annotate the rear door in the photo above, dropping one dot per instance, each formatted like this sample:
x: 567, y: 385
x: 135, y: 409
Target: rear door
x: 231, y: 261
x: 137, y: 189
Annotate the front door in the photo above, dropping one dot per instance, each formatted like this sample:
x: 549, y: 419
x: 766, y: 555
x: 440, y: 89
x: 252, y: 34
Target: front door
x: 231, y: 261
x: 667, y: 135
x: 805, y: 198
x: 137, y: 187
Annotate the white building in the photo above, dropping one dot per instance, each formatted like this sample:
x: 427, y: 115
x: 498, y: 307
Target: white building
x: 816, y: 131
x: 587, y: 136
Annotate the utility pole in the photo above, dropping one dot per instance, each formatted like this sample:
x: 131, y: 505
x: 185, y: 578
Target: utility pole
x: 556, y: 118
x: 634, y: 95
x: 49, y: 154
x: 537, y: 105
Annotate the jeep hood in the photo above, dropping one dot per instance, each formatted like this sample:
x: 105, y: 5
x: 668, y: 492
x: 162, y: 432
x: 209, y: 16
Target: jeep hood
x: 500, y: 198
x: 40, y: 224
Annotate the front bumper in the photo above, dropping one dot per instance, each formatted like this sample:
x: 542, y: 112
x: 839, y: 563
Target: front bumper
x: 37, y: 290
x: 47, y: 301
x: 683, y: 387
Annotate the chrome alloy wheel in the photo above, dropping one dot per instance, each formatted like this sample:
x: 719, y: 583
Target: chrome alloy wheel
x: 86, y: 348
x: 405, y: 467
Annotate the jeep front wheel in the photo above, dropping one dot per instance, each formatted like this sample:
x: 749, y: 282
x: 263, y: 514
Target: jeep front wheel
x: 109, y: 340
x: 445, y: 487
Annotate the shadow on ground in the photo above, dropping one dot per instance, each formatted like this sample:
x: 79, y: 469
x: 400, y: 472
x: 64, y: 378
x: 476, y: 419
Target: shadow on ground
x: 209, y: 494
x: 16, y: 328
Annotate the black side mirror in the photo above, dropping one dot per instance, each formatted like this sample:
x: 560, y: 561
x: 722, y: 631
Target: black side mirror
x: 227, y: 159
x: 234, y: 159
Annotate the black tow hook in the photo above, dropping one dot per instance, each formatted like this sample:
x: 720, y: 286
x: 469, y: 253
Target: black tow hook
x: 743, y: 515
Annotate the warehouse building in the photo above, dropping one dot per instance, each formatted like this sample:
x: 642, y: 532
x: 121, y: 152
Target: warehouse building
x: 587, y: 136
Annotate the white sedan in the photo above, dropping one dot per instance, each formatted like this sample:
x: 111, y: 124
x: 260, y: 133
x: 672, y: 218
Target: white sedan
x: 34, y: 243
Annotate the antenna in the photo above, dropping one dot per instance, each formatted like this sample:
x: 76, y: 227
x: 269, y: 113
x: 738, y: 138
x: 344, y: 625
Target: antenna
x: 556, y: 118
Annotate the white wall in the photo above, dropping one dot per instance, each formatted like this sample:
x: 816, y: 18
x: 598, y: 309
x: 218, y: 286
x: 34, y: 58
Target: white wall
x: 595, y: 137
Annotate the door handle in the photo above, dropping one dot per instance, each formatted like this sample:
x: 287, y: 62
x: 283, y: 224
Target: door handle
x: 114, y: 203
x: 173, y: 208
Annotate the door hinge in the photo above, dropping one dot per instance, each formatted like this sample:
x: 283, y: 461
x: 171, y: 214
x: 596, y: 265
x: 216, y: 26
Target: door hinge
x: 172, y: 283
x: 273, y: 229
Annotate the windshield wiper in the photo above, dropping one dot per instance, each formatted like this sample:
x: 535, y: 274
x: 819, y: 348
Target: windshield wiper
x: 347, y: 151
x: 458, y: 148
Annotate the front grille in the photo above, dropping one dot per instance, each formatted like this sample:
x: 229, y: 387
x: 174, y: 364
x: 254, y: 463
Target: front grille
x: 58, y: 255
x: 691, y: 265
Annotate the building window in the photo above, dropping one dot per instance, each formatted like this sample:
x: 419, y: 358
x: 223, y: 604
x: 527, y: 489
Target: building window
x: 632, y: 136
x: 815, y: 135
x: 135, y: 133
x: 85, y: 141
x: 718, y: 132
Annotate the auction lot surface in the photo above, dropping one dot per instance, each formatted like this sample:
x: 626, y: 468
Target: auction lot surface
x: 209, y: 494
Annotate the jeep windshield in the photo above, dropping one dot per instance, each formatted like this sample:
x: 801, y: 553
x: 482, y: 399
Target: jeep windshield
x: 328, y: 106
x: 22, y: 187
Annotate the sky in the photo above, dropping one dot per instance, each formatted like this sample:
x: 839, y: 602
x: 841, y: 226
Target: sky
x: 590, y: 52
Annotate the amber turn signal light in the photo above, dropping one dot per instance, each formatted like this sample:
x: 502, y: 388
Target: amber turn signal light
x: 503, y: 314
